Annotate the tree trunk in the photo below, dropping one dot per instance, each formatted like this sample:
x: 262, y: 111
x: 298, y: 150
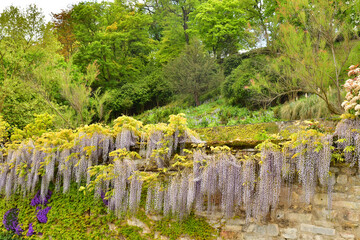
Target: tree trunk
x: 185, y: 26
x: 196, y: 97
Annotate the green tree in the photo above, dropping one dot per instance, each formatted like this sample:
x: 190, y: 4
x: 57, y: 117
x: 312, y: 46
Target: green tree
x: 193, y: 72
x: 116, y: 36
x: 262, y: 18
x: 222, y: 26
x: 315, y: 41
x: 170, y: 26
x: 25, y: 44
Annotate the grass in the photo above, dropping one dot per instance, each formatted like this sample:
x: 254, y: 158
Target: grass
x: 305, y: 108
x: 211, y: 114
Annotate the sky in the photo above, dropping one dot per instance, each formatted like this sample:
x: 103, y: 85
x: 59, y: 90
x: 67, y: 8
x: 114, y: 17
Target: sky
x: 47, y: 6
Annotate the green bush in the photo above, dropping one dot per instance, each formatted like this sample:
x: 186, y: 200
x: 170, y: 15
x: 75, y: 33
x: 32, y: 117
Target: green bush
x: 236, y: 88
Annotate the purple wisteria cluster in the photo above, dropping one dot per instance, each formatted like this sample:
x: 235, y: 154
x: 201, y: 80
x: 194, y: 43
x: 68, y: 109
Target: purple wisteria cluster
x: 30, y: 231
x: 10, y: 219
x: 105, y: 201
x: 38, y: 201
x: 42, y: 214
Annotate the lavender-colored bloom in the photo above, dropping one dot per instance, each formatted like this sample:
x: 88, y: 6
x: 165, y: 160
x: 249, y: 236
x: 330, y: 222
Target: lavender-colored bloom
x: 37, y: 199
x: 30, y: 231
x: 18, y: 230
x: 10, y: 220
x: 42, y: 215
x: 105, y: 201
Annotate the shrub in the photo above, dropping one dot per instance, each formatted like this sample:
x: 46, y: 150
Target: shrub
x: 236, y: 88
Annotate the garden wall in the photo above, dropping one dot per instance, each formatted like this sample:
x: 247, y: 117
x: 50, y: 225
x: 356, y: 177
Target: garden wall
x: 296, y: 220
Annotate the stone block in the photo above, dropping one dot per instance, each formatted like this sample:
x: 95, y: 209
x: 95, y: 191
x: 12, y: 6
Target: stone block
x: 255, y: 237
x: 321, y: 199
x: 289, y: 233
x: 299, y: 217
x: 352, y: 216
x: 317, y: 230
x: 348, y: 170
x: 155, y: 217
x: 318, y: 237
x: 326, y: 224
x: 279, y: 215
x: 324, y: 213
x: 347, y: 236
x: 341, y: 188
x: 342, y: 179
x: 346, y: 204
x: 339, y: 196
x: 137, y: 223
x: 306, y: 236
x: 229, y: 235
x: 271, y: 230
x: 214, y: 223
x: 355, y: 190
x: 232, y: 228
x: 236, y: 221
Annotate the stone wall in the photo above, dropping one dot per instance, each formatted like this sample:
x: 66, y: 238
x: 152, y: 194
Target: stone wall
x: 296, y: 220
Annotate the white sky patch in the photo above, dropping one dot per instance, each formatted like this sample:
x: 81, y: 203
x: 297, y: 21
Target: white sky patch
x: 47, y: 6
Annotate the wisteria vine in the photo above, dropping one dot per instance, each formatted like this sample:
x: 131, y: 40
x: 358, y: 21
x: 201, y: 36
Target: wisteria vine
x: 103, y: 160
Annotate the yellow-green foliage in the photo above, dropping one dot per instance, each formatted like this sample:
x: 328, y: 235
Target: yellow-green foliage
x: 129, y: 123
x: 41, y: 124
x: 241, y: 132
x: 3, y: 130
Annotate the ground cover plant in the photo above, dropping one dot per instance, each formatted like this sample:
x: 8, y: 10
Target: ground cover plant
x: 210, y: 114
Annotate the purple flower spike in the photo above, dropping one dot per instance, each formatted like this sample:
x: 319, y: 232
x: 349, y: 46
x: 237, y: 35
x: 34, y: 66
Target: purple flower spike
x: 18, y: 230
x: 30, y: 231
x: 10, y: 219
x: 37, y: 199
x: 105, y: 201
x: 42, y: 215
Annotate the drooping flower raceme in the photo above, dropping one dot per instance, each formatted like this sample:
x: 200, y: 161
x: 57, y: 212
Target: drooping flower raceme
x: 352, y: 87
